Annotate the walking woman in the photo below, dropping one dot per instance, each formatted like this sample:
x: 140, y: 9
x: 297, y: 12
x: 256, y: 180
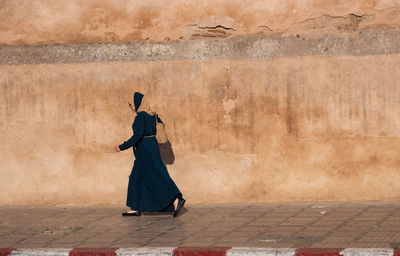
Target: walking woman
x: 150, y: 188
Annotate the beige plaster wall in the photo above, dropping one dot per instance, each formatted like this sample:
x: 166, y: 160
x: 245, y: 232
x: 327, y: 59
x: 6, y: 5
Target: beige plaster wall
x: 300, y: 128
x: 50, y: 21
x: 254, y: 127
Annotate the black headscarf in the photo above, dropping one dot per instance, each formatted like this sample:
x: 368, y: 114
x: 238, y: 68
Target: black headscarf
x: 137, y: 99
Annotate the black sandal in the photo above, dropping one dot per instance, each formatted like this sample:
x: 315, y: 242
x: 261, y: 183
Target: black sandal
x: 179, y: 207
x: 137, y: 214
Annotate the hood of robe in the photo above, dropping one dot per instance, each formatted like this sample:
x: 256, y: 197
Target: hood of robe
x: 137, y: 100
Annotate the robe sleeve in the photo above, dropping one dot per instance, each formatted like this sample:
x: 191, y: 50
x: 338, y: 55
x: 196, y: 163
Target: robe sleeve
x: 138, y: 131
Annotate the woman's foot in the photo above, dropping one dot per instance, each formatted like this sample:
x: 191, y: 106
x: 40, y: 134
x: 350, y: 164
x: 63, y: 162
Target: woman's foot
x: 178, y: 204
x: 131, y: 213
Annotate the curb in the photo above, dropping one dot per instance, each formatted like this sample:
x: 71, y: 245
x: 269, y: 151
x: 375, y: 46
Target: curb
x: 200, y: 251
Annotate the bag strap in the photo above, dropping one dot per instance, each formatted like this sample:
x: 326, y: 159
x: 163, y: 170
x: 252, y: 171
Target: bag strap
x: 157, y: 120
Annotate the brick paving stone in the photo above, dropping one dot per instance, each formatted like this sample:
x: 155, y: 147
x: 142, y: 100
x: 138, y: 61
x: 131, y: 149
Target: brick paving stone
x: 388, y: 228
x: 58, y: 245
x: 10, y: 241
x: 354, y: 228
x: 333, y: 217
x: 265, y: 224
x: 217, y: 229
x: 345, y: 233
x: 281, y: 245
x: 362, y: 223
x: 336, y: 239
x: 380, y: 237
x: 322, y: 224
x: 196, y: 243
x: 311, y: 215
x: 280, y: 214
x: 30, y: 245
x: 255, y: 228
x: 314, y: 230
x: 378, y: 208
x: 329, y: 245
x: 280, y: 233
x: 200, y: 239
x: 313, y: 234
x: 393, y: 219
x: 396, y: 213
x: 286, y: 229
x: 249, y: 234
x: 132, y: 240
x: 297, y: 221
x: 389, y: 224
x: 347, y: 212
x: 174, y: 241
x: 250, y: 214
x: 73, y: 238
x: 228, y: 240
x: 314, y: 227
x: 39, y: 238
x: 105, y: 238
x: 271, y: 218
x: 370, y: 245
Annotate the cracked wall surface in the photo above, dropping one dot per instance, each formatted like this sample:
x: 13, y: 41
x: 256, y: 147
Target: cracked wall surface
x: 263, y: 100
x: 93, y: 21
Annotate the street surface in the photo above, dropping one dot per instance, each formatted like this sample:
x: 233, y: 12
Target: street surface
x: 277, y: 225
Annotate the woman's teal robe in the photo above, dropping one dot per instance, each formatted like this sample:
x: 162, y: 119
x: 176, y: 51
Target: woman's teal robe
x: 150, y: 188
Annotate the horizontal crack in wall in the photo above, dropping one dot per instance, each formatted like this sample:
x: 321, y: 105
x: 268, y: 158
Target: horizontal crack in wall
x: 212, y: 31
x: 350, y: 22
x: 218, y: 27
x: 362, y: 42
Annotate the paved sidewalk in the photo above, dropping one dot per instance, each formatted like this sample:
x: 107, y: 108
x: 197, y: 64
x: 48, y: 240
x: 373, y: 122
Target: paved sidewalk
x: 273, y: 225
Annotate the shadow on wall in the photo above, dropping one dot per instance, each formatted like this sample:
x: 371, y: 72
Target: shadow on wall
x: 167, y: 153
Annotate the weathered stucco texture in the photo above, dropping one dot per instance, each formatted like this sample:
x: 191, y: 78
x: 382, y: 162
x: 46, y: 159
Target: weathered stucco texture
x: 307, y: 128
x: 50, y: 21
x: 263, y: 100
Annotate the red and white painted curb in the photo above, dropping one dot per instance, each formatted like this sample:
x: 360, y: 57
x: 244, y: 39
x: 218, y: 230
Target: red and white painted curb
x: 200, y: 251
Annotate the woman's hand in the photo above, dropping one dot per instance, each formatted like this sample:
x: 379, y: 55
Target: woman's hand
x: 117, y: 149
